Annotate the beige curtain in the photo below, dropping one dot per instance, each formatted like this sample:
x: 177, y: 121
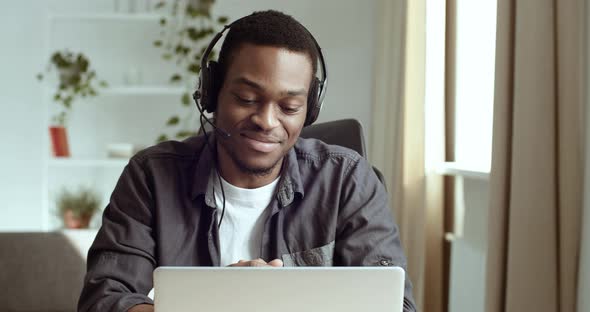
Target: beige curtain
x: 397, y: 146
x: 536, y: 172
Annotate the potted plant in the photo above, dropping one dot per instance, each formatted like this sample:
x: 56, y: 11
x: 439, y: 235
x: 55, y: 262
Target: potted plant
x: 75, y: 80
x: 186, y: 28
x: 76, y: 209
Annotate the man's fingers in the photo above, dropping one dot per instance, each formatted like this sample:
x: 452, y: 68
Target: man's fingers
x: 257, y: 262
x: 276, y: 263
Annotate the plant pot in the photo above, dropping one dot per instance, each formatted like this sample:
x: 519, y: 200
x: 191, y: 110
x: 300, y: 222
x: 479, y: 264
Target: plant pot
x: 72, y: 221
x: 59, y: 141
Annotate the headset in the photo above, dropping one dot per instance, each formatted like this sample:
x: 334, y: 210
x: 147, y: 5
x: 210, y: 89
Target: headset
x: 208, y: 88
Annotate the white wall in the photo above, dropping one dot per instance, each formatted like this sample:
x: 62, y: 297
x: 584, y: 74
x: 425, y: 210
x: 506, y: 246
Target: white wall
x: 21, y: 114
x: 344, y: 29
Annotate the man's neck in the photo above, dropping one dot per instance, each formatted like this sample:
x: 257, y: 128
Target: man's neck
x: 234, y: 175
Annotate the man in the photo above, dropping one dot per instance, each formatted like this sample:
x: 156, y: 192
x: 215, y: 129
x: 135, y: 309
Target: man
x: 250, y: 194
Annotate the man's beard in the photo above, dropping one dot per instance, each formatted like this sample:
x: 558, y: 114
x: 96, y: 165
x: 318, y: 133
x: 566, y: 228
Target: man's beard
x: 245, y: 168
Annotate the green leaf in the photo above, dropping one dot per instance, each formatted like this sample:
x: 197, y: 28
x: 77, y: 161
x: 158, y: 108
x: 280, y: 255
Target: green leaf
x: 184, y: 134
x: 222, y: 19
x: 162, y: 21
x: 186, y: 99
x: 67, y: 102
x: 167, y: 56
x: 162, y: 138
x: 103, y: 84
x: 158, y: 43
x: 57, y: 97
x: 160, y: 5
x: 194, y: 68
x: 175, y: 78
x: 173, y: 121
x: 212, y: 55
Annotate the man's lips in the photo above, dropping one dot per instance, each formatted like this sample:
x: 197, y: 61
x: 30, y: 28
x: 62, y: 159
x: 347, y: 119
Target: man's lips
x: 264, y: 144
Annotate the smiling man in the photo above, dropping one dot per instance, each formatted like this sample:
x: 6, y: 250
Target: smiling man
x: 251, y: 193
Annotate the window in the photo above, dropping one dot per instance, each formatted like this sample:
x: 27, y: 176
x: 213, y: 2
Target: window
x: 475, y: 47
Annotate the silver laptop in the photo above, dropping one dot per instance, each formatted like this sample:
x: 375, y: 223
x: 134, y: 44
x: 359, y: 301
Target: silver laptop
x: 289, y: 289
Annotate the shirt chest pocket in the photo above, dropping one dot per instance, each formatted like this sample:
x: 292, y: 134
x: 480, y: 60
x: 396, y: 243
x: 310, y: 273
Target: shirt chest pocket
x: 320, y: 256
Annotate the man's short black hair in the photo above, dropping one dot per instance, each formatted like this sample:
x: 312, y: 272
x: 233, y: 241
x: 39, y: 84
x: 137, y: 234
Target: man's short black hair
x: 268, y: 28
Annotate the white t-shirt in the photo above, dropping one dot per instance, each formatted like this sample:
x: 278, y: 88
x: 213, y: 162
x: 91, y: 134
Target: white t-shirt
x: 240, y: 234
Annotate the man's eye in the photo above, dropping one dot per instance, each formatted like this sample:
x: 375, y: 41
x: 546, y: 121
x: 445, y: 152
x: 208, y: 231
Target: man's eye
x: 245, y: 101
x: 290, y: 110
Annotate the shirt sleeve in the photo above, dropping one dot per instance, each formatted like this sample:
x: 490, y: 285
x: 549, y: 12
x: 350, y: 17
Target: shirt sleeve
x: 367, y: 234
x: 122, y: 258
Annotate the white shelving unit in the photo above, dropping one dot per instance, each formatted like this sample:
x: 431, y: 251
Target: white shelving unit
x: 107, y: 17
x: 59, y: 170
x: 67, y: 162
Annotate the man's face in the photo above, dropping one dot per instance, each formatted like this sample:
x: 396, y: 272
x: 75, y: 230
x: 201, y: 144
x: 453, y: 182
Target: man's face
x: 262, y: 104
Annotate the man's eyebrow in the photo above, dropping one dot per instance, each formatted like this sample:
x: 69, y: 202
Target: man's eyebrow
x: 252, y: 84
x: 248, y: 82
x: 296, y: 92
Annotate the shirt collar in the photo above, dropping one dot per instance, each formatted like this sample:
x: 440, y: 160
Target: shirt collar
x: 204, y: 168
x: 205, y: 175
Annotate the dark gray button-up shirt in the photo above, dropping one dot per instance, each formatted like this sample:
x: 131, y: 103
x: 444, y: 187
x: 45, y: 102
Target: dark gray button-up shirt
x: 330, y: 209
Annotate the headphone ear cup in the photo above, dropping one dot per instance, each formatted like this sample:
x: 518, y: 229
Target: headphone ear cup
x: 209, y: 87
x: 313, y: 105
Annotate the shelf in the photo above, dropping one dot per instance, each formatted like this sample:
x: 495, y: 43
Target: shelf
x: 67, y: 162
x: 109, y: 17
x: 133, y: 90
x: 142, y: 90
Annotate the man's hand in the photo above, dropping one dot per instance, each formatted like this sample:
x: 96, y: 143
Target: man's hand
x: 142, y: 308
x: 258, y: 263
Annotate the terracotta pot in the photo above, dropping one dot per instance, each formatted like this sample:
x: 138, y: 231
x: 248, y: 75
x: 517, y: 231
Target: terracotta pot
x: 59, y: 141
x: 73, y: 222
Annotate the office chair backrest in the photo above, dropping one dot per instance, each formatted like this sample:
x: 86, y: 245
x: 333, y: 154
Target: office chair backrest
x: 345, y: 132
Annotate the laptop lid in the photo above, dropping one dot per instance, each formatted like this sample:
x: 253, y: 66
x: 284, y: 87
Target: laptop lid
x: 288, y: 289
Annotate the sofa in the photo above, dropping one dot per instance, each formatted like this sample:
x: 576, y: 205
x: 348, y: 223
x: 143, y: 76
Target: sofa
x: 42, y: 271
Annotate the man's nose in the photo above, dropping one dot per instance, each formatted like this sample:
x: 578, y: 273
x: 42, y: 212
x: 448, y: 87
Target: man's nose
x: 266, y: 117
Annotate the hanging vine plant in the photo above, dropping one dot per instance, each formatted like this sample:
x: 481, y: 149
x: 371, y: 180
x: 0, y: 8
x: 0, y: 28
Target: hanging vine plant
x: 186, y: 27
x: 76, y: 80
